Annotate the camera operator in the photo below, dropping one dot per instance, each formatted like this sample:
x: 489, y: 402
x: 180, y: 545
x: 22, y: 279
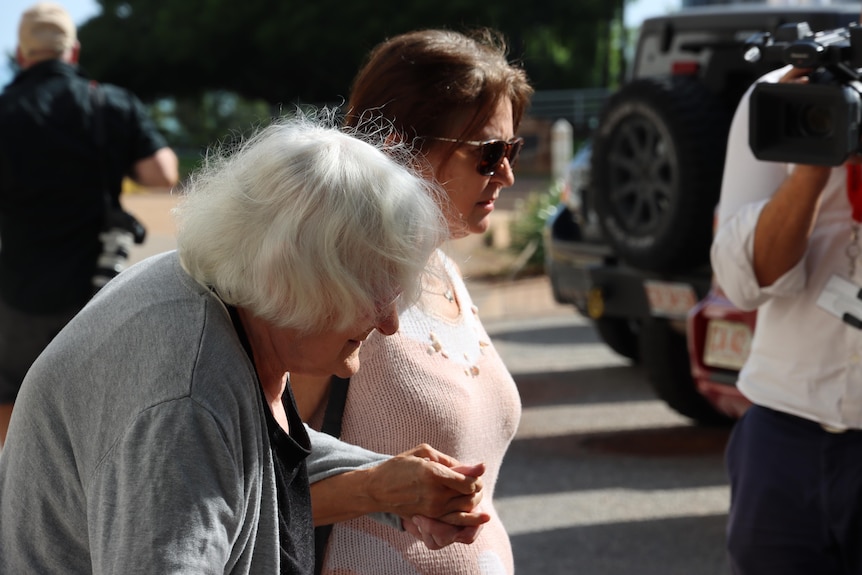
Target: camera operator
x: 786, y: 245
x: 56, y: 167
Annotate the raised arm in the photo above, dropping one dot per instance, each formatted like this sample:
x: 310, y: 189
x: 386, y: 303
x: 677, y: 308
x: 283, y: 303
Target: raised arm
x: 785, y: 224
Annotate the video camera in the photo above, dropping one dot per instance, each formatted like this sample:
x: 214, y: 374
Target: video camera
x: 814, y: 123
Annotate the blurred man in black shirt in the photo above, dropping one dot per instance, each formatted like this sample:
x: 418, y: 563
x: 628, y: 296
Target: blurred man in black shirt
x: 58, y: 158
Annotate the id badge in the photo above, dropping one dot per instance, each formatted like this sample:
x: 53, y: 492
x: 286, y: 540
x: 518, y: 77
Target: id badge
x: 843, y: 299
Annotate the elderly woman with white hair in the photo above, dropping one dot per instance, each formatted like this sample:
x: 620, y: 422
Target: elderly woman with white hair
x: 158, y: 433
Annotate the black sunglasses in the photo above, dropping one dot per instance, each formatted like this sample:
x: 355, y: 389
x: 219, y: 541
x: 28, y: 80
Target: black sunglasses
x: 493, y: 152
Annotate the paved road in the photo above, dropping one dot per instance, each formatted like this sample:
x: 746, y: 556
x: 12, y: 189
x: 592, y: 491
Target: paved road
x: 602, y: 478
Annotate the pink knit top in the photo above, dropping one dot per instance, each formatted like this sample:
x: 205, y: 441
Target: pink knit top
x: 437, y: 381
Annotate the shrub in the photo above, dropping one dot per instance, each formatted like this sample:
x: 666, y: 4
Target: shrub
x: 527, y: 225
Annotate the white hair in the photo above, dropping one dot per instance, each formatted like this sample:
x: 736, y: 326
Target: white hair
x: 310, y: 227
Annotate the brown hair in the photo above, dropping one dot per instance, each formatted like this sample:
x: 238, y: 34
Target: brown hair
x: 427, y: 82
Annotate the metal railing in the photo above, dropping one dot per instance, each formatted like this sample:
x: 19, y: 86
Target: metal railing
x: 580, y: 107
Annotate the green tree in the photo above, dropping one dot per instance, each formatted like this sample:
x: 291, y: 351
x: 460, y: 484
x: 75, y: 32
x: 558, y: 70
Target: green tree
x: 289, y: 51
x: 194, y: 123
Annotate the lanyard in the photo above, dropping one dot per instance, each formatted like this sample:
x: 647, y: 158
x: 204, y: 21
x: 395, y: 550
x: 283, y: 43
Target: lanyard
x: 854, y: 195
x: 854, y: 190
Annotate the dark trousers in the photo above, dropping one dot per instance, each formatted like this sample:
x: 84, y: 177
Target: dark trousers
x: 796, y: 497
x: 23, y: 336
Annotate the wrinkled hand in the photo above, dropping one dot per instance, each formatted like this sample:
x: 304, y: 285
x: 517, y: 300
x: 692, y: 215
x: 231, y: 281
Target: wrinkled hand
x: 423, y: 481
x: 453, y: 528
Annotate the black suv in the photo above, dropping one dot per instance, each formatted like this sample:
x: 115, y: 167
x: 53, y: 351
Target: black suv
x: 629, y: 246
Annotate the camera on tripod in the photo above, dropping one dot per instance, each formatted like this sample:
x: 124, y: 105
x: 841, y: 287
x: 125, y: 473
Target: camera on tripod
x: 814, y: 123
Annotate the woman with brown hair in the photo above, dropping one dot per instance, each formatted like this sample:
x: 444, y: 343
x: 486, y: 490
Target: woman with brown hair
x: 458, y: 102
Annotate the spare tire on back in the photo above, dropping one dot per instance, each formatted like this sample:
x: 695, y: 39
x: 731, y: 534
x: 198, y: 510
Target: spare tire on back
x: 658, y: 157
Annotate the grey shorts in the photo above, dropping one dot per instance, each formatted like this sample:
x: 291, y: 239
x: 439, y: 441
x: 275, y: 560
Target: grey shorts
x: 23, y: 336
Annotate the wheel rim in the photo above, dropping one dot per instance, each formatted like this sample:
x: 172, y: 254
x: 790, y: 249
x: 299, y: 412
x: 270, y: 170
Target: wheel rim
x: 642, y: 170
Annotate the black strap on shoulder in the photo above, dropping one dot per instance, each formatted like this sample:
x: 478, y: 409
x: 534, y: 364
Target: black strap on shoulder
x: 97, y: 100
x: 335, y: 405
x: 332, y: 425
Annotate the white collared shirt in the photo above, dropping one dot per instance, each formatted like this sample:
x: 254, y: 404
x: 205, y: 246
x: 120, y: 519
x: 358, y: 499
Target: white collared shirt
x: 803, y: 360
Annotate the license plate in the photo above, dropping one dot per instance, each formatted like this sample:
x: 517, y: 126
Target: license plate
x: 668, y: 299
x: 727, y: 344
